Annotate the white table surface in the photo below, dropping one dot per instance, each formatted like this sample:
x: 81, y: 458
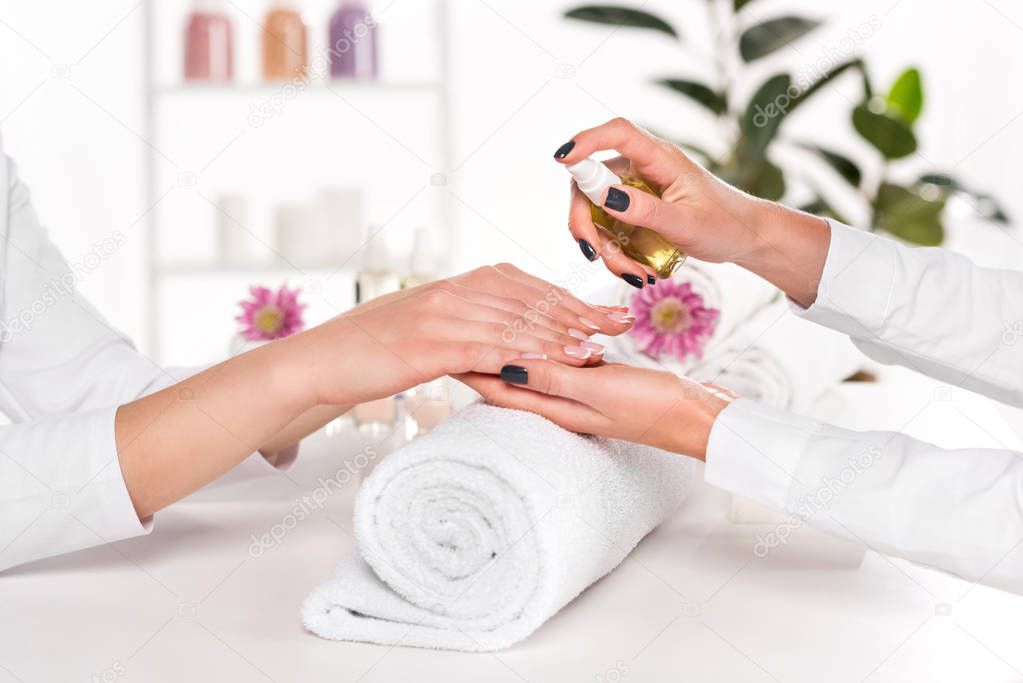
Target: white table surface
x: 190, y: 603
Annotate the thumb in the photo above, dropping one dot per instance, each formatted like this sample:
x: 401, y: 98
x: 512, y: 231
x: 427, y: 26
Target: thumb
x: 546, y: 377
x: 637, y: 207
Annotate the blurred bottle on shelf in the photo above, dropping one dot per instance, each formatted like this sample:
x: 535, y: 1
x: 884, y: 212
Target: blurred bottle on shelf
x: 423, y: 263
x: 303, y: 237
x: 238, y: 245
x: 284, y: 42
x: 209, y: 43
x: 353, y: 42
x: 377, y: 276
x: 343, y: 216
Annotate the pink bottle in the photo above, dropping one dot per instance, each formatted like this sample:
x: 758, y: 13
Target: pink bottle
x: 208, y: 43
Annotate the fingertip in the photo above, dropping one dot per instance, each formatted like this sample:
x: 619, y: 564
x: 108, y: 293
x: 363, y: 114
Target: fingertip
x: 562, y: 152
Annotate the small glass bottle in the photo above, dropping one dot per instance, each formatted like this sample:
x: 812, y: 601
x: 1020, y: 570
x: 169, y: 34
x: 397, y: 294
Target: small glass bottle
x: 209, y: 43
x: 353, y: 42
x: 640, y: 244
x: 423, y: 263
x: 429, y: 404
x: 284, y: 43
x: 376, y: 277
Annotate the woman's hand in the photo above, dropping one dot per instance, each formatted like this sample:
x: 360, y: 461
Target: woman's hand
x: 475, y: 322
x: 620, y: 401
x: 704, y: 216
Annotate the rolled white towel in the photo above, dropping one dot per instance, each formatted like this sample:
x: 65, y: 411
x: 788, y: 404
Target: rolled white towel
x: 475, y: 534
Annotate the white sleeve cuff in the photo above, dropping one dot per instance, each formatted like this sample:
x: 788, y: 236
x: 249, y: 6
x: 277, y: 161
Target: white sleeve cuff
x: 754, y: 451
x: 854, y: 294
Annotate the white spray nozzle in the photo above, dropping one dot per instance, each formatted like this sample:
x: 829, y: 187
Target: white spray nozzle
x: 593, y: 178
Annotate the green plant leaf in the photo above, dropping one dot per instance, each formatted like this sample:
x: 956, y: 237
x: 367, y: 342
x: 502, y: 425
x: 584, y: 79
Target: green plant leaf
x: 905, y: 213
x: 767, y: 182
x: 819, y: 206
x: 764, y: 113
x: 739, y: 4
x: 808, y: 91
x: 621, y: 16
x: 986, y: 205
x: 762, y: 39
x: 843, y: 165
x: 697, y: 91
x: 906, y: 98
x: 889, y: 134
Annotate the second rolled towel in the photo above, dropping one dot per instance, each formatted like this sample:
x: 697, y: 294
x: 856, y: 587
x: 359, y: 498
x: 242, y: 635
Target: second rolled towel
x: 474, y: 535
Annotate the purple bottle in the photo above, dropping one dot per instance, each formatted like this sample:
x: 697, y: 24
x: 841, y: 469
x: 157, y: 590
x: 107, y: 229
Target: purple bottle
x: 353, y: 42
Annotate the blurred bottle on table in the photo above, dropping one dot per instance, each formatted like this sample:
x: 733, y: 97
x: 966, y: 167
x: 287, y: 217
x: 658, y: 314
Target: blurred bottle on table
x: 423, y: 262
x: 209, y: 43
x: 376, y: 277
x: 284, y: 42
x: 353, y: 42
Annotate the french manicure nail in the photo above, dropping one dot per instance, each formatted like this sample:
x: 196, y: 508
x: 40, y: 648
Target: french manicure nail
x: 514, y: 374
x: 533, y: 356
x: 616, y: 200
x: 651, y: 280
x: 564, y: 150
x: 633, y: 280
x: 589, y: 323
x: 622, y: 318
x: 592, y: 346
x: 588, y: 251
x: 575, y: 352
x: 578, y: 334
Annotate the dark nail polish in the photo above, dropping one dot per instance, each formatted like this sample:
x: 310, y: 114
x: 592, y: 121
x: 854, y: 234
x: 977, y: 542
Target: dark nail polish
x: 616, y: 200
x: 651, y: 280
x: 588, y: 251
x: 514, y: 374
x: 633, y: 280
x: 564, y: 150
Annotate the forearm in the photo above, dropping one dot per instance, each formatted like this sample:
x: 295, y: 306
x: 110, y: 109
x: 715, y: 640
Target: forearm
x: 302, y: 426
x: 788, y: 250
x: 174, y: 441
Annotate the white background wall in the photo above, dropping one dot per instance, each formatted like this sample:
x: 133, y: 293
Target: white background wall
x: 71, y: 112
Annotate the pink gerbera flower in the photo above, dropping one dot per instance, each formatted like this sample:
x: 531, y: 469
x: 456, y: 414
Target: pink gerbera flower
x: 268, y: 315
x: 672, y: 319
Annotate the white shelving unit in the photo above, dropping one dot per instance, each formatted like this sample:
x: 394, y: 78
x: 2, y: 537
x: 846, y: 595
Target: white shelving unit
x: 166, y: 101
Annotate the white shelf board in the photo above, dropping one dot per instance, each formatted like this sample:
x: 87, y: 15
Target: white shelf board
x: 333, y: 87
x: 270, y: 269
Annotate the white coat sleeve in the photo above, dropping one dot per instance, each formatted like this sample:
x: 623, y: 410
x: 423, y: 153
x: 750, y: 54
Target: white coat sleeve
x: 63, y: 372
x: 957, y: 510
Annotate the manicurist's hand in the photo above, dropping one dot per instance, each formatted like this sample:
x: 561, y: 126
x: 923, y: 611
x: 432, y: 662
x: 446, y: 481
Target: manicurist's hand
x: 704, y: 216
x: 620, y: 401
x: 475, y: 322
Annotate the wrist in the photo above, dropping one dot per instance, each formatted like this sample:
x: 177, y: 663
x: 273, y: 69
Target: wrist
x: 690, y: 420
x: 289, y: 369
x: 788, y: 249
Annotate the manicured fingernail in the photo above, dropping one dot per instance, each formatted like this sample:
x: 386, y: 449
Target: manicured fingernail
x: 574, y: 352
x: 589, y: 323
x: 616, y: 200
x: 578, y: 334
x: 633, y: 280
x: 514, y: 374
x: 588, y: 251
x: 622, y: 318
x: 533, y: 356
x: 564, y: 150
x: 651, y: 280
x: 595, y: 348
